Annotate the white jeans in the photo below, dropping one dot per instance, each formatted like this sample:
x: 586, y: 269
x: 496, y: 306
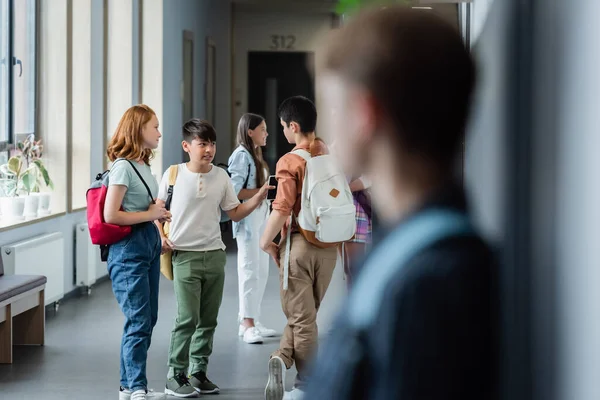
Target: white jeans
x: 253, y: 265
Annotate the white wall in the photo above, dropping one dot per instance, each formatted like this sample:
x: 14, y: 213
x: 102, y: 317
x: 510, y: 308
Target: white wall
x: 252, y: 32
x: 479, y: 13
x: 577, y: 54
x: 203, y: 18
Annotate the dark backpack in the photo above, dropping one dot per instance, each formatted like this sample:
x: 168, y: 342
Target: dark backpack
x: 225, y: 220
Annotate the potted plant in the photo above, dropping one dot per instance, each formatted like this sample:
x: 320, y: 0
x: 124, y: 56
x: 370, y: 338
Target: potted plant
x: 26, y: 175
x: 37, y: 173
x: 12, y: 206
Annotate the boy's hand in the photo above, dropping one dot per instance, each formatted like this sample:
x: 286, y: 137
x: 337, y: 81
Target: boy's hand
x: 273, y: 250
x: 167, y: 217
x: 158, y: 211
x: 167, y: 245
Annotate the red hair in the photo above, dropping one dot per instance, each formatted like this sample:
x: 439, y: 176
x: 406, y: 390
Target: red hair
x: 127, y: 139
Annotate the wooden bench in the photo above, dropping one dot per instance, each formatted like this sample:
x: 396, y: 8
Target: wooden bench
x: 22, y: 312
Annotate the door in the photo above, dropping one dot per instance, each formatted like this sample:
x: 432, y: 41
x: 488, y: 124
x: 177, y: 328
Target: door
x: 273, y: 77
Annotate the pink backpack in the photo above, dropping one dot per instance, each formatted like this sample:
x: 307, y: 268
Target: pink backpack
x: 101, y: 232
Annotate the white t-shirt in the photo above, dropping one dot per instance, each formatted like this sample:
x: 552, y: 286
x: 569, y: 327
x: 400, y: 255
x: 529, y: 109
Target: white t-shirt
x: 196, y: 207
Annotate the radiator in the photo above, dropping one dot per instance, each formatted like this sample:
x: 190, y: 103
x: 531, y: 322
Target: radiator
x: 40, y: 255
x: 88, y: 266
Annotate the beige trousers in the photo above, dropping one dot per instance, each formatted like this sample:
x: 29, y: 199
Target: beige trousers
x: 310, y: 272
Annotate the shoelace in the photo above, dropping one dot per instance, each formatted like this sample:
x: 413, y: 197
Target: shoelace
x: 254, y: 330
x: 181, y: 379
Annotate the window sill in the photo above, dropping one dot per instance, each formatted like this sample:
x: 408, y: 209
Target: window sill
x: 8, y: 225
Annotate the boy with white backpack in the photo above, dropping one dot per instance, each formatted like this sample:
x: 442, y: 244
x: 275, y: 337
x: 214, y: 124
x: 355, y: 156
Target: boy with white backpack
x: 315, y: 212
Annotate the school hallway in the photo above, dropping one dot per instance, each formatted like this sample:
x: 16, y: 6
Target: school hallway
x: 81, y: 357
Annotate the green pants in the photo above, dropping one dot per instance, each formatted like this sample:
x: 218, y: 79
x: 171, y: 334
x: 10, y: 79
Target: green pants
x: 198, y: 278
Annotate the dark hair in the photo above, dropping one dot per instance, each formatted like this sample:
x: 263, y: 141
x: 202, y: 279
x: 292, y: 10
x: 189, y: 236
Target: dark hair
x: 300, y: 110
x: 247, y: 122
x: 200, y: 129
x: 419, y: 70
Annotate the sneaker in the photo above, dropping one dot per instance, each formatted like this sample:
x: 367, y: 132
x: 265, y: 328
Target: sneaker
x: 125, y: 394
x: 202, y: 384
x: 275, y: 389
x: 295, y: 394
x: 264, y: 331
x: 179, y: 386
x: 251, y: 336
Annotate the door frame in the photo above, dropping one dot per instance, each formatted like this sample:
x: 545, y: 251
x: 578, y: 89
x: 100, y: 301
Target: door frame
x: 210, y: 44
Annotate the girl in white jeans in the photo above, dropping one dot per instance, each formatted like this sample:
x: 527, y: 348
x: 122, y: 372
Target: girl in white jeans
x: 249, y: 172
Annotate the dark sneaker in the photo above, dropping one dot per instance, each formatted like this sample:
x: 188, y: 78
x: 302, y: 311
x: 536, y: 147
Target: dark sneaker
x: 179, y: 386
x: 202, y: 384
x: 275, y: 389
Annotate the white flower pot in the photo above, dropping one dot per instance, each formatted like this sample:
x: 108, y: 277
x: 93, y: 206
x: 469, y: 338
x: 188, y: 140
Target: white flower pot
x: 13, y: 208
x: 44, y: 203
x: 32, y: 203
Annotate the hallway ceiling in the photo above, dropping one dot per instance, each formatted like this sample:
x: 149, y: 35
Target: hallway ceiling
x: 318, y: 6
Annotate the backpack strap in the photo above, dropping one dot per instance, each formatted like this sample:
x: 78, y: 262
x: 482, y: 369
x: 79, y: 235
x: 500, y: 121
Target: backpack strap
x: 302, y: 153
x: 173, y: 170
x: 412, y: 237
x: 286, y: 259
x: 247, y: 177
x: 143, y: 181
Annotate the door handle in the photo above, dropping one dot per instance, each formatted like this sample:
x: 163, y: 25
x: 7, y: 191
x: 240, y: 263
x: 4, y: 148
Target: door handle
x: 18, y: 62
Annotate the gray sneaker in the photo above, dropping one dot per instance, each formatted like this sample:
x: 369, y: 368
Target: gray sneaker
x: 179, y: 386
x: 202, y: 384
x: 125, y: 394
x: 275, y: 389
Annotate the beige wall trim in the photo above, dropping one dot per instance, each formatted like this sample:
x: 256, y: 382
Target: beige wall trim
x: 69, y: 71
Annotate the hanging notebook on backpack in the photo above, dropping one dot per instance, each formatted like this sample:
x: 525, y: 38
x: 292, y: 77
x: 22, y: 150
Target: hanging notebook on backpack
x: 327, y: 214
x: 166, y: 258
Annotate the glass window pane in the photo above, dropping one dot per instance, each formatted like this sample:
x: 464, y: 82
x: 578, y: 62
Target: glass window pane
x: 23, y: 68
x: 4, y: 69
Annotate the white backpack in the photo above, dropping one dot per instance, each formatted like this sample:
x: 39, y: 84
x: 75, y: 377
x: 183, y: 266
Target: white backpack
x: 327, y: 215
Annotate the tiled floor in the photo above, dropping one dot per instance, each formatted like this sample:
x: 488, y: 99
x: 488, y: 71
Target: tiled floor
x: 81, y: 357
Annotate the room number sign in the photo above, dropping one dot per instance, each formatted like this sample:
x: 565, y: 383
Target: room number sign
x: 282, y: 42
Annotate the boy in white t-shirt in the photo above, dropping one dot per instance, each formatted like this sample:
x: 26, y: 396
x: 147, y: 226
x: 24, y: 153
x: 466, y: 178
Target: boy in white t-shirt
x: 200, y: 192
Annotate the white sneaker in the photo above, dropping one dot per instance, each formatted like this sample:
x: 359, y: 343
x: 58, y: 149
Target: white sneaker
x: 125, y: 394
x: 275, y: 389
x: 264, y: 331
x: 241, y: 330
x: 295, y: 394
x: 251, y: 336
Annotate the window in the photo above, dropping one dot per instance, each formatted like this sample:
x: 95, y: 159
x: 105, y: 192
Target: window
x: 4, y: 70
x: 17, y: 70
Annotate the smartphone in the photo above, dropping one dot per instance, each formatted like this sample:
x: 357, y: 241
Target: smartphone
x: 273, y: 192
